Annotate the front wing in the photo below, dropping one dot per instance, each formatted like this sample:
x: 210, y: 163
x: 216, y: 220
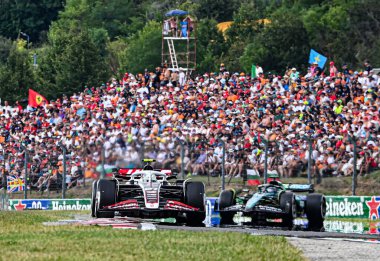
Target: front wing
x: 131, y: 207
x: 260, y: 210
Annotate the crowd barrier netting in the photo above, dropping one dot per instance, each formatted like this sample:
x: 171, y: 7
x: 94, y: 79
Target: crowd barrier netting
x: 55, y: 174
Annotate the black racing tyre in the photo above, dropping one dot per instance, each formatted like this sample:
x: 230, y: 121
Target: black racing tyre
x: 226, y: 199
x: 93, y: 197
x: 195, y: 218
x: 288, y: 204
x: 315, y: 209
x: 105, y: 196
x: 195, y: 197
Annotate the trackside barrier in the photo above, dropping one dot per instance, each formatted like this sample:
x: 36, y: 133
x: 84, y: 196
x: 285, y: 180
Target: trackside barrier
x: 353, y: 207
x: 49, y: 204
x: 337, y: 206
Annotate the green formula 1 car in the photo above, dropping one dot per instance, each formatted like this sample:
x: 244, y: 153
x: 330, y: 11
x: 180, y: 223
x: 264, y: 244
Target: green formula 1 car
x: 275, y: 204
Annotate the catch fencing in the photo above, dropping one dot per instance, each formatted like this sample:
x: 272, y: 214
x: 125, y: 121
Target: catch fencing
x: 218, y: 163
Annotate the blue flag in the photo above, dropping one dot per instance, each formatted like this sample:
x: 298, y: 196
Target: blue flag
x: 318, y: 58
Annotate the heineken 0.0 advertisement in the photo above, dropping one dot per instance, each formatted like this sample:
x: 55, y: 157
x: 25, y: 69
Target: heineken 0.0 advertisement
x: 49, y: 204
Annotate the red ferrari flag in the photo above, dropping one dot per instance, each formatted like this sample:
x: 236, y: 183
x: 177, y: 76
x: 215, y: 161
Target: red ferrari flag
x: 35, y: 99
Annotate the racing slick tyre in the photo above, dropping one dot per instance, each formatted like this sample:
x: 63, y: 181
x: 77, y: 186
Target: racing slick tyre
x: 226, y: 199
x: 288, y: 204
x: 93, y: 198
x: 195, y: 197
x: 105, y: 196
x: 315, y: 209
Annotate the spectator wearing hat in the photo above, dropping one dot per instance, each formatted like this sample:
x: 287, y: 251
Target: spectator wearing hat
x: 333, y: 70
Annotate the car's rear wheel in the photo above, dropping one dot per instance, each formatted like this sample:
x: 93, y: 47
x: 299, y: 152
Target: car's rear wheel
x: 226, y: 199
x: 288, y: 204
x: 93, y: 198
x: 195, y: 197
x: 105, y: 196
x: 315, y: 209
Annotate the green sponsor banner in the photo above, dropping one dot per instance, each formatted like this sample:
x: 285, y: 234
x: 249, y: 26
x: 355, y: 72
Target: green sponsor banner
x: 353, y: 207
x: 49, y: 204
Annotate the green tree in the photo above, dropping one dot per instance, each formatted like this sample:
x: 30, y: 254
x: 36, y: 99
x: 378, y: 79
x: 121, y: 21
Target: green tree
x: 282, y: 43
x: 143, y: 49
x: 5, y: 47
x: 344, y: 31
x: 115, y: 50
x: 220, y: 10
x: 247, y: 22
x: 118, y: 17
x: 29, y: 16
x: 211, y: 45
x: 74, y: 58
x: 16, y: 76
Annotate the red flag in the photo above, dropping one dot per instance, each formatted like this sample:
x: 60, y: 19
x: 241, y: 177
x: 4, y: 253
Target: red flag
x: 35, y: 99
x: 258, y: 137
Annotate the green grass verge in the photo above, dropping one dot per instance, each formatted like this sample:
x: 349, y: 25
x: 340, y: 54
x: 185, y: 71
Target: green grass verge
x: 23, y: 237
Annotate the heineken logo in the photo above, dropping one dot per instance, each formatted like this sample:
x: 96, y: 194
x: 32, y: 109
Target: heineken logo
x: 62, y: 205
x: 344, y: 208
x: 351, y: 206
x: 50, y: 204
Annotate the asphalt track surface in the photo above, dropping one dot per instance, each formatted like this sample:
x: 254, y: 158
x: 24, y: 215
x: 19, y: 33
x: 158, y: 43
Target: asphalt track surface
x: 270, y: 231
x: 273, y: 232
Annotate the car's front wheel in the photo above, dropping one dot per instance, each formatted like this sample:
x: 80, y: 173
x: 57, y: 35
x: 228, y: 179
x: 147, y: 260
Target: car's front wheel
x: 105, y: 196
x: 195, y: 197
x: 288, y: 204
x: 226, y: 199
x: 315, y: 209
x: 93, y: 198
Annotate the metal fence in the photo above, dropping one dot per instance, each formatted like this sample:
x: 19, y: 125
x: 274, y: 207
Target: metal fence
x: 228, y: 160
x: 218, y: 162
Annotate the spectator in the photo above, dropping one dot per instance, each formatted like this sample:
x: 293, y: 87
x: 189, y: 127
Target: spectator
x: 159, y: 108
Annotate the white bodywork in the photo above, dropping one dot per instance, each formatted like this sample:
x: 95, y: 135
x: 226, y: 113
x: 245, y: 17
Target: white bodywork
x: 150, y: 182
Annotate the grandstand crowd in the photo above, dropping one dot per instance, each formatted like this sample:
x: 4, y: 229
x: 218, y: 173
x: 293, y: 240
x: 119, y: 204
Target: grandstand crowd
x: 146, y: 115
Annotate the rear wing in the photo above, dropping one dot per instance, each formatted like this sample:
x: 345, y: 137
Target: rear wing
x: 299, y: 187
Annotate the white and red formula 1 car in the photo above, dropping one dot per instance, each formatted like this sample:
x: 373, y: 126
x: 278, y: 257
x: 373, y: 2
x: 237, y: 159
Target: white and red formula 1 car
x: 148, y: 193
